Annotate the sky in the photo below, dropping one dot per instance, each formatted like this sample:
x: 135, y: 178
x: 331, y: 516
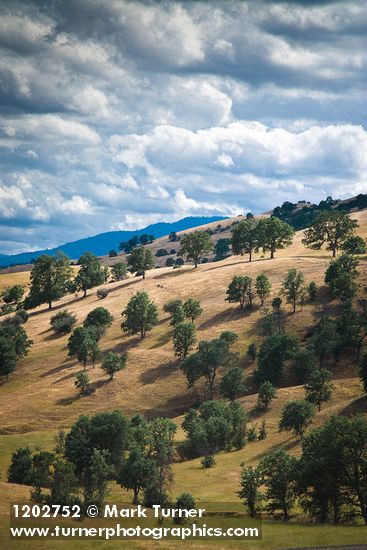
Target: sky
x: 117, y: 114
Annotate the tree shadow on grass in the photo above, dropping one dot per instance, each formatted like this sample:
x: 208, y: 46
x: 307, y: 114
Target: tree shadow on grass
x: 175, y: 406
x: 65, y: 401
x: 64, y: 378
x: 122, y: 347
x: 358, y: 406
x: 225, y: 316
x: 162, y: 340
x: 53, y: 336
x: 159, y: 372
x: 287, y: 445
x: 76, y: 299
x: 57, y: 369
x: 57, y: 307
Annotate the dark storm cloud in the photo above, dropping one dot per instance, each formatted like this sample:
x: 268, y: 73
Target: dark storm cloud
x: 115, y: 114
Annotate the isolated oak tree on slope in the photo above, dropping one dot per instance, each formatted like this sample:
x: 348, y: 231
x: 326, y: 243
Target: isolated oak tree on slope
x: 240, y: 290
x: 274, y: 234
x: 332, y: 228
x: 194, y: 245
x: 245, y: 237
x: 83, y: 345
x: 113, y: 362
x: 50, y: 280
x: 119, y: 271
x: 90, y: 274
x: 140, y: 315
x: 192, y: 309
x: 296, y: 416
x: 141, y: 260
x: 293, y: 287
x: 263, y: 287
x: 184, y: 338
x: 319, y: 387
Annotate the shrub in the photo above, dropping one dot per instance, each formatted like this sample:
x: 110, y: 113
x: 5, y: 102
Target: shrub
x: 161, y: 252
x: 112, y: 253
x: 7, y: 308
x: 267, y: 392
x: 113, y: 362
x: 63, y: 321
x: 204, y: 260
x: 23, y: 314
x: 99, y: 316
x: 312, y: 290
x: 296, y: 416
x: 20, y: 469
x: 172, y: 251
x: 184, y: 502
x: 208, y: 461
x: 180, y: 261
x: 102, y: 293
x: 13, y: 320
x: 13, y: 294
x: 119, y: 271
x: 252, y: 434
x: 170, y: 262
x: 82, y: 382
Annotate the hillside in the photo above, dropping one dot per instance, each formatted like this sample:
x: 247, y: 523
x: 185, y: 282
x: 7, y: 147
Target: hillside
x: 152, y: 382
x: 102, y: 243
x: 40, y: 396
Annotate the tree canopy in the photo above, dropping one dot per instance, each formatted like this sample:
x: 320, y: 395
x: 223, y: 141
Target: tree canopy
x: 211, y: 356
x: 332, y: 228
x: 50, y: 280
x: 90, y: 274
x: 274, y: 234
x: 240, y: 290
x: 195, y: 244
x: 245, y: 237
x: 140, y: 315
x: 140, y: 260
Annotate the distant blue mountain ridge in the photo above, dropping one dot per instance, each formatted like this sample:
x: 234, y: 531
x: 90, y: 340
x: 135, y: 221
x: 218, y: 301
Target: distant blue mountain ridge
x: 104, y: 242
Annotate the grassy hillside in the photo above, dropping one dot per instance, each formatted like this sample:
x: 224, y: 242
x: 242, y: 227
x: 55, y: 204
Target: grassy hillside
x: 40, y: 396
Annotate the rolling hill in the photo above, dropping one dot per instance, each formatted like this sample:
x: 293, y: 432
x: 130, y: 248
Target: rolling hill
x: 40, y: 396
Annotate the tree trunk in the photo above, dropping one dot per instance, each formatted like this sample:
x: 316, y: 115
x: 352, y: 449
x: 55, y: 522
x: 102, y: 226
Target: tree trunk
x: 294, y: 306
x: 49, y: 304
x: 271, y: 254
x: 250, y: 256
x: 136, y: 495
x: 85, y: 293
x: 195, y: 263
x: 143, y: 274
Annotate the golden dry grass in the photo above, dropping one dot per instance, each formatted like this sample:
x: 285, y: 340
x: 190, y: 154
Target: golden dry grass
x: 40, y: 396
x: 41, y: 391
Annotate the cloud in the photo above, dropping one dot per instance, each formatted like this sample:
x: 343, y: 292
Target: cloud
x: 118, y: 114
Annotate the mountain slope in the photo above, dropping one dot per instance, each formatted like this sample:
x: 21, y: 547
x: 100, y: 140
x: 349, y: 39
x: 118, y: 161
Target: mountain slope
x: 101, y: 244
